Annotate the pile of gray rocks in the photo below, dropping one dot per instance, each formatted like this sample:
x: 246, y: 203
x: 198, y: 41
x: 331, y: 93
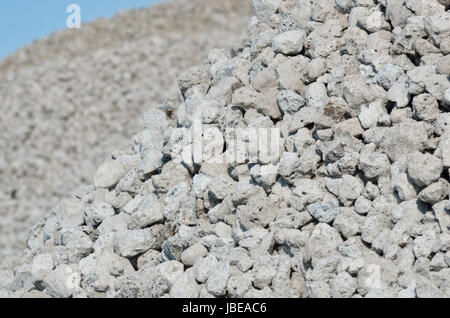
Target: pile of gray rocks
x: 70, y: 99
x: 355, y: 205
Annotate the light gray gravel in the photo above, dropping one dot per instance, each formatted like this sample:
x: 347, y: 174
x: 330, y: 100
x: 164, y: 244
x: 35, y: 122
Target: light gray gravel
x: 70, y: 100
x: 351, y: 199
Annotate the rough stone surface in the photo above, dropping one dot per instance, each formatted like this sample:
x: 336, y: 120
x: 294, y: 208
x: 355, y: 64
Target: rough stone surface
x: 72, y: 99
x: 352, y: 200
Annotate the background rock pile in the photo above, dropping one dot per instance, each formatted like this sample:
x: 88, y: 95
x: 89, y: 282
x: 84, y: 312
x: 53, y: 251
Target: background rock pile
x: 69, y: 100
x: 355, y: 206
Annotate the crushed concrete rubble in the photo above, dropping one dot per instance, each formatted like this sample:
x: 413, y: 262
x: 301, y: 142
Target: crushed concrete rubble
x: 351, y: 201
x: 71, y: 99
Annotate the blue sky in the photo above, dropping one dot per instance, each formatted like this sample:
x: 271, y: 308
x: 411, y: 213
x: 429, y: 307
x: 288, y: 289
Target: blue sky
x: 23, y: 21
